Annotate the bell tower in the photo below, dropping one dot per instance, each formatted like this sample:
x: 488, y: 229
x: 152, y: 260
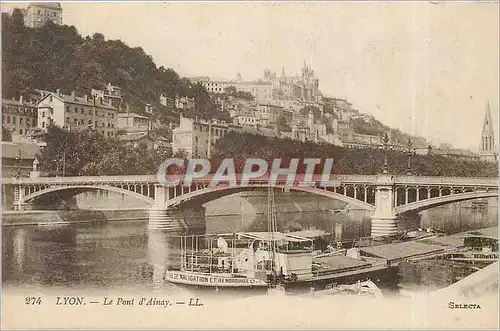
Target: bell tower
x: 487, y: 147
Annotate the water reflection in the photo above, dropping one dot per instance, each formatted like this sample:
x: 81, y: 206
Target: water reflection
x: 126, y: 254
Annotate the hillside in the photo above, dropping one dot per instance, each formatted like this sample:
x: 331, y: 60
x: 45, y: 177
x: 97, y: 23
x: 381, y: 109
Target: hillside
x: 55, y: 57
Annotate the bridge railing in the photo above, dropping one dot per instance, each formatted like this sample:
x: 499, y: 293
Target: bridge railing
x: 343, y: 179
x: 438, y: 180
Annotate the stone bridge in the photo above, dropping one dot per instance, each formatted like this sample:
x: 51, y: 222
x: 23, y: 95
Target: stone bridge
x: 384, y: 196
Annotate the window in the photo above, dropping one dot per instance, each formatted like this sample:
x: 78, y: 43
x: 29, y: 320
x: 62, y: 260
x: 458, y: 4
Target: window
x: 43, y: 124
x: 75, y: 121
x: 8, y: 119
x: 90, y: 122
x: 43, y: 114
x: 67, y: 119
x: 20, y: 120
x: 68, y: 109
x: 13, y: 120
x: 51, y: 99
x: 95, y: 124
x: 82, y: 111
x: 20, y: 131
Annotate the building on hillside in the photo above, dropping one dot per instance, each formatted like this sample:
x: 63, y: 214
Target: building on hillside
x: 18, y: 158
x: 167, y: 102
x: 38, y: 13
x: 344, y: 128
x: 304, y: 86
x: 488, y: 150
x: 268, y: 113
x: 19, y: 116
x: 110, y: 94
x: 72, y: 112
x: 260, y: 90
x: 185, y: 103
x: 197, y: 138
x: 132, y: 122
x: 246, y: 119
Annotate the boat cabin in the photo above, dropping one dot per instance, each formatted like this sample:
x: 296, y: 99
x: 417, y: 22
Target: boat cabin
x: 247, y: 254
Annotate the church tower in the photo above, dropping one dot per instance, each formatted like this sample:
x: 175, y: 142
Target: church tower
x: 487, y: 148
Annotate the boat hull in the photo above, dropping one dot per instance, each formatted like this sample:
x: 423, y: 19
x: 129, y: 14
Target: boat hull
x: 211, y: 280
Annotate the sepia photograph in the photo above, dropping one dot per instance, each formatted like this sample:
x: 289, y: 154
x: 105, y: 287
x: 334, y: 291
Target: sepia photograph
x: 250, y: 165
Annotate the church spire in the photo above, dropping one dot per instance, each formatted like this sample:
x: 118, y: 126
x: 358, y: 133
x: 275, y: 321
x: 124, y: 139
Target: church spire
x: 488, y: 134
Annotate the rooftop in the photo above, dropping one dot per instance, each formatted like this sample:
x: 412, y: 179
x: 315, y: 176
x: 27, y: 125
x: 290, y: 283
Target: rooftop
x: 134, y: 115
x: 268, y: 236
x: 312, y: 233
x: 401, y: 250
x: 10, y: 150
x: 17, y: 103
x: 79, y: 100
x: 50, y: 5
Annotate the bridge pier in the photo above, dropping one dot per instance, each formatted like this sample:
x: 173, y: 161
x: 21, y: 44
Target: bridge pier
x: 158, y: 217
x: 18, y: 198
x: 384, y: 220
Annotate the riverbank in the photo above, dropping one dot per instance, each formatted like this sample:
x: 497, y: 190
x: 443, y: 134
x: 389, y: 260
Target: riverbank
x: 47, y: 217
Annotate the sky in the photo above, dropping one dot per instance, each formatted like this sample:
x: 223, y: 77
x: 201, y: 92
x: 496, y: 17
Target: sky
x: 426, y: 68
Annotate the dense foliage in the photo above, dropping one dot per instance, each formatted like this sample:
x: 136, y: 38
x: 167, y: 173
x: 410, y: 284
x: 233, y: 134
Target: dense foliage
x: 347, y: 161
x: 374, y: 127
x: 6, y: 135
x: 87, y: 152
x: 55, y: 57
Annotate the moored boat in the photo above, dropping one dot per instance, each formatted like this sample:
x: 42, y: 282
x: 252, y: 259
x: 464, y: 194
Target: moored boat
x: 239, y: 260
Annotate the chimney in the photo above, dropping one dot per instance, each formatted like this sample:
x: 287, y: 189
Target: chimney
x: 21, y: 100
x: 58, y: 92
x: 73, y: 95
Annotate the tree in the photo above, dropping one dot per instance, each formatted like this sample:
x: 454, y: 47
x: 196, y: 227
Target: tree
x: 56, y: 56
x: 6, y: 134
x: 282, y: 125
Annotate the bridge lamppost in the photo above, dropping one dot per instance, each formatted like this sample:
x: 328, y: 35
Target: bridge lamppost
x: 19, y: 158
x: 408, y: 169
x: 385, y: 169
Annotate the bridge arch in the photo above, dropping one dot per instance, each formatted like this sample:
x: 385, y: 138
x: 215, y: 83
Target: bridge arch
x: 442, y: 200
x: 212, y: 193
x: 53, y: 189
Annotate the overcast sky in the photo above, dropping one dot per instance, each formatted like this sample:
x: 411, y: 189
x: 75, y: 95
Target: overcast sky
x: 428, y: 69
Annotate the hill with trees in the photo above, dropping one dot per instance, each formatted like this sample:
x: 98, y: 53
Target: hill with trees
x: 58, y: 57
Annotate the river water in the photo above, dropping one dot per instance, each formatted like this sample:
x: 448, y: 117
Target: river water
x: 117, y: 254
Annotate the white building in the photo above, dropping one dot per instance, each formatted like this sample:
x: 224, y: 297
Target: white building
x: 38, y: 13
x: 197, y: 138
x: 185, y: 103
x: 111, y: 94
x: 70, y: 111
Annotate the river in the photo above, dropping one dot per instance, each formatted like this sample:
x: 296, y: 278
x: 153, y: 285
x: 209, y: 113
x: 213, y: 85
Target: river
x: 116, y: 254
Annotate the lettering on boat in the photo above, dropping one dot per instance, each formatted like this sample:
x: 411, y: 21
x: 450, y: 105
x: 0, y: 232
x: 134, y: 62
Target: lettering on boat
x: 210, y: 279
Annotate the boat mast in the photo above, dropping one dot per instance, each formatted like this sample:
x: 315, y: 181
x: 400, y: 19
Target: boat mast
x: 272, y: 229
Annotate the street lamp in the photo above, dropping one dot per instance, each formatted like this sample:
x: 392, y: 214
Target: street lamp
x: 19, y: 160
x: 385, y: 169
x: 408, y: 169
